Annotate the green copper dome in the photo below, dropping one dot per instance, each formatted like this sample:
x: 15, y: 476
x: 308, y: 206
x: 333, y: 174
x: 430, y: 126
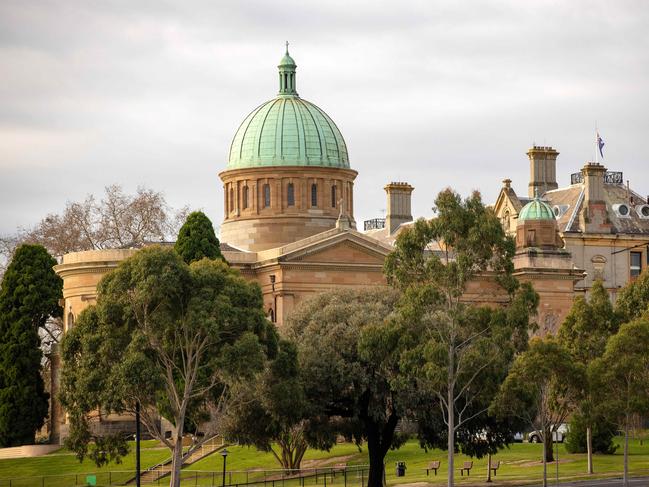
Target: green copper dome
x: 536, y: 210
x: 288, y: 131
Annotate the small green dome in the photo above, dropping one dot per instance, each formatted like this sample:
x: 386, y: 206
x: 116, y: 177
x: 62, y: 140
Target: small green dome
x: 536, y: 210
x: 288, y: 131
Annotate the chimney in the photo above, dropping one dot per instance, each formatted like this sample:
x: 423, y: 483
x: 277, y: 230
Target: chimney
x: 543, y: 170
x: 399, y: 208
x: 594, y: 216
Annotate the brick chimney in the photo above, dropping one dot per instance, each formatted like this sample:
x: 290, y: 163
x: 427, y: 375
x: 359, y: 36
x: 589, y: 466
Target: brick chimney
x: 399, y: 207
x: 594, y: 216
x: 543, y: 170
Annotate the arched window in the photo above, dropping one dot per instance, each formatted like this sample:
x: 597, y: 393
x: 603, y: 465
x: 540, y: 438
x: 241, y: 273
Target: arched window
x: 290, y: 195
x: 271, y: 315
x: 231, y: 200
x: 245, y: 197
x: 333, y: 196
x: 70, y: 320
x: 314, y: 195
x: 266, y: 195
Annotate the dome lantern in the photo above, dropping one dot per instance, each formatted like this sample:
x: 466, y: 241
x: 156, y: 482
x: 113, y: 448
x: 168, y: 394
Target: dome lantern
x: 287, y: 75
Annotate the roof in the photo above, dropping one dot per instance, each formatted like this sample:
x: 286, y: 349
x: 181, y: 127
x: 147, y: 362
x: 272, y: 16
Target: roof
x: 572, y: 200
x: 288, y: 131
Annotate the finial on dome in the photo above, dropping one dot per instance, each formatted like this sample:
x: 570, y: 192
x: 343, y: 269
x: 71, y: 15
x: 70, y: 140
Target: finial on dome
x: 287, y: 75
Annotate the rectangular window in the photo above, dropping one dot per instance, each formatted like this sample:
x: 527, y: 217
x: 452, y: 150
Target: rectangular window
x: 290, y: 195
x: 266, y: 195
x: 333, y: 196
x: 314, y: 195
x: 636, y: 263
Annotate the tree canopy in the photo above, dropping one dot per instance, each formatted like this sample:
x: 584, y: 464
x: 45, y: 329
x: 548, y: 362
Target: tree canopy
x: 463, y: 350
x: 272, y: 412
x: 171, y: 337
x: 29, y: 296
x: 196, y: 239
x: 584, y: 334
x: 542, y: 388
x: 621, y: 378
x: 348, y: 355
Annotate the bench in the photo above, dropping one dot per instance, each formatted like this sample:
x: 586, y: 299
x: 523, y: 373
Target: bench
x: 467, y: 466
x: 495, y: 467
x: 434, y: 465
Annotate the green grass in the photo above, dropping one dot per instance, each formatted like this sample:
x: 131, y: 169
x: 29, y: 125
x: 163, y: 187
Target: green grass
x: 521, y: 465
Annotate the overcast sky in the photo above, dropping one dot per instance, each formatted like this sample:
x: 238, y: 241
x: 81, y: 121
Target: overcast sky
x: 434, y: 93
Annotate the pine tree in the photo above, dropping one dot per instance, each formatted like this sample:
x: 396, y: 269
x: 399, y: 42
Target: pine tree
x: 29, y: 295
x: 197, y: 240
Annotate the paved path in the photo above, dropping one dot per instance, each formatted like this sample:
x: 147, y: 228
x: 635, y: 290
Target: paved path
x: 635, y: 482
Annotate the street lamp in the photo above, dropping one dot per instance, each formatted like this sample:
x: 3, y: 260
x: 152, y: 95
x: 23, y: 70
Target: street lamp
x: 224, y: 454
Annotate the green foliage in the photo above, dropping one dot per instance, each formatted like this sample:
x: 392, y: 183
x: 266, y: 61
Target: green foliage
x: 621, y: 375
x: 603, y: 435
x: 170, y: 336
x: 542, y: 387
x: 197, y: 240
x: 584, y: 334
x: 446, y: 252
x: 271, y: 412
x: 588, y: 326
x: 633, y: 301
x: 349, y: 359
x: 459, y: 352
x: 28, y: 298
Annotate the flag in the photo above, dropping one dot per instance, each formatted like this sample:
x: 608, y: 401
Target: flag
x: 600, y: 144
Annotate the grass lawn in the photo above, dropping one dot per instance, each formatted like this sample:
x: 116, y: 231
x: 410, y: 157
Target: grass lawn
x: 521, y: 465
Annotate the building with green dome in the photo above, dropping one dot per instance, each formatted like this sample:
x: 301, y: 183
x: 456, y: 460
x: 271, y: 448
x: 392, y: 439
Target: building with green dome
x: 288, y: 175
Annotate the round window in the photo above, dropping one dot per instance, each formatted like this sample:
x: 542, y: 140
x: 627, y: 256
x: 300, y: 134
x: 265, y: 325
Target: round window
x: 623, y: 210
x: 557, y: 211
x: 645, y: 210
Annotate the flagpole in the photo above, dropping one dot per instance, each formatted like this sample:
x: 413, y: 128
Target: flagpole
x: 596, y: 145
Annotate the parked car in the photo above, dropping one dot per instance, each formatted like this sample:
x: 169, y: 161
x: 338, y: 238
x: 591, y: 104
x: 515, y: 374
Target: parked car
x: 518, y: 437
x: 558, y: 434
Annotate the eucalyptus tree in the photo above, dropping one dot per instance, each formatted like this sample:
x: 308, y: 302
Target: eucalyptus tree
x: 463, y: 350
x: 541, y: 388
x: 584, y: 334
x: 169, y: 337
x: 621, y: 377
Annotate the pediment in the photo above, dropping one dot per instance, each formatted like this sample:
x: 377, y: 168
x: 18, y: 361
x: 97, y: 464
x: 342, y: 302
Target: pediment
x: 347, y: 248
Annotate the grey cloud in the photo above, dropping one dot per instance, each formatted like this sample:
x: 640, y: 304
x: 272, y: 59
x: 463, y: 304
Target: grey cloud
x: 437, y: 93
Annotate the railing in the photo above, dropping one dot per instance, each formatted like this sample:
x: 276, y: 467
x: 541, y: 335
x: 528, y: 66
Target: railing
x: 610, y: 177
x: 374, y: 224
x: 336, y: 476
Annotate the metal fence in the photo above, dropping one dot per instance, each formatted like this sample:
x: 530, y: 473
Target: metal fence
x: 340, y: 476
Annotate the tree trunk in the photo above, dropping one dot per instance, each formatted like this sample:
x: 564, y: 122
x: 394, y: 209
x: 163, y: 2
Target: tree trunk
x: 379, y: 440
x: 626, y: 452
x: 451, y: 419
x: 375, y: 477
x: 489, y: 467
x: 177, y: 459
x: 589, y: 448
x: 545, y: 461
x: 547, y: 444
